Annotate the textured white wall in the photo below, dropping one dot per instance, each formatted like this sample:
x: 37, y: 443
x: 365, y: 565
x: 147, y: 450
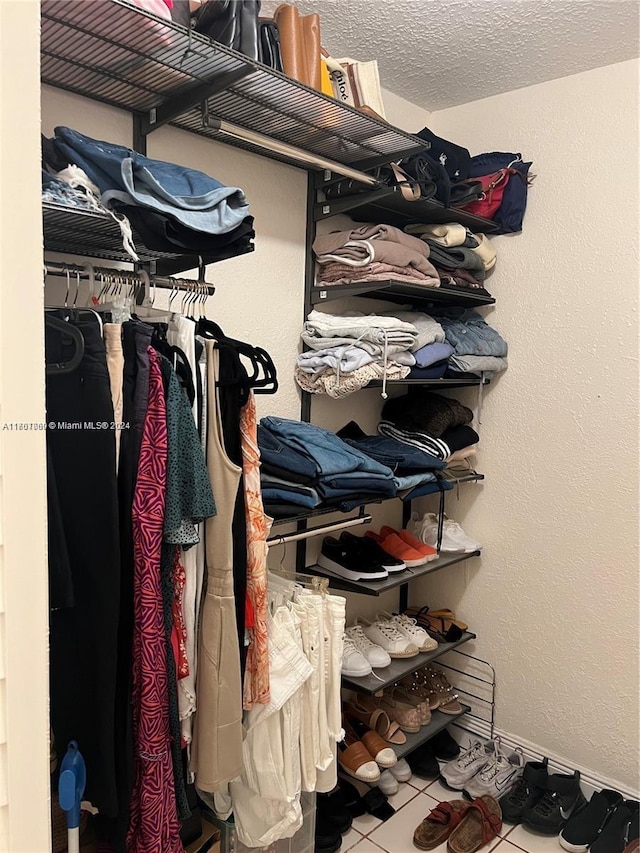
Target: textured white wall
x: 555, y: 597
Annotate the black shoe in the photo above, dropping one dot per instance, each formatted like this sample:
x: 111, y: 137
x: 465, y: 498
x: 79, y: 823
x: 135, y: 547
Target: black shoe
x: 445, y: 748
x: 327, y: 838
x: 351, y: 798
x: 527, y: 792
x: 620, y: 829
x: 561, y: 799
x: 423, y: 762
x: 373, y: 552
x: 348, y: 561
x: 331, y: 811
x: 585, y: 826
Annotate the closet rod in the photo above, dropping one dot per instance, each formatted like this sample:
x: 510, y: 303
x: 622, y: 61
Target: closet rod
x: 58, y: 268
x: 317, y: 531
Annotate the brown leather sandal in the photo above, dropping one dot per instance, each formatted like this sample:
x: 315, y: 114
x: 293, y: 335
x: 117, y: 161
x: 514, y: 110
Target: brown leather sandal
x: 481, y: 824
x: 445, y: 613
x: 439, y: 824
x: 365, y: 708
x: 441, y: 628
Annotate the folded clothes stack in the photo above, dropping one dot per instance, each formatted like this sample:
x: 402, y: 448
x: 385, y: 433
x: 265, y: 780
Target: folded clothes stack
x: 340, y: 474
x: 304, y: 466
x: 173, y: 208
x: 415, y: 470
x: 373, y: 253
x: 478, y: 348
x: 462, y: 259
x: 429, y: 422
x: 347, y: 352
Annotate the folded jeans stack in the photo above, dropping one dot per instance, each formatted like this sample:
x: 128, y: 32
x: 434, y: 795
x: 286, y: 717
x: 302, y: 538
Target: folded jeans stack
x: 347, y: 352
x: 341, y: 474
x: 373, y: 253
x: 478, y: 348
x: 175, y: 209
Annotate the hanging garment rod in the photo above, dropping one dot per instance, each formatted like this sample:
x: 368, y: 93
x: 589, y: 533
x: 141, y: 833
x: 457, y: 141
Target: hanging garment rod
x: 106, y: 274
x: 318, y: 531
x: 226, y: 128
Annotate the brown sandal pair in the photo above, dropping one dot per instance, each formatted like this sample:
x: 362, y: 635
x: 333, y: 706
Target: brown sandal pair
x: 439, y: 624
x: 466, y: 827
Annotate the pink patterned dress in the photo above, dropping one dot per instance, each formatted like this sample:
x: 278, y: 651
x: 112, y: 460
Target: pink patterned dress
x: 256, y: 676
x: 154, y: 825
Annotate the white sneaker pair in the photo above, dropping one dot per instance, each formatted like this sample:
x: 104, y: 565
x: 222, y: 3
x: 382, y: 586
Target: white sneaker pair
x: 389, y: 780
x: 398, y: 635
x: 454, y: 538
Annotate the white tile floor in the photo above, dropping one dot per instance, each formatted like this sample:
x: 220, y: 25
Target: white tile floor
x: 413, y: 802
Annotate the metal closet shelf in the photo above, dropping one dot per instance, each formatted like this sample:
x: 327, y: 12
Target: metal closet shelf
x: 164, y: 74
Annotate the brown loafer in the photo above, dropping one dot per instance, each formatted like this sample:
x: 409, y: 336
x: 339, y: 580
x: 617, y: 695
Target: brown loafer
x: 439, y: 824
x: 481, y: 823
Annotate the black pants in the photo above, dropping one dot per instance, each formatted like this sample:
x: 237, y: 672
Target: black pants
x: 83, y: 497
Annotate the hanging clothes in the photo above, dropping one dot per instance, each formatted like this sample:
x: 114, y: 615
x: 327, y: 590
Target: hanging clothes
x: 84, y: 636
x: 256, y: 676
x: 154, y: 826
x: 216, y: 755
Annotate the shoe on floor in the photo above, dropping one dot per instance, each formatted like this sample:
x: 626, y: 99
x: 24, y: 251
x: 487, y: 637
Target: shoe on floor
x: 332, y: 812
x: 348, y: 561
x: 456, y: 774
x: 529, y: 790
x: 561, y: 799
x: 395, y: 546
x: 499, y: 776
x: 410, y: 629
x: 388, y: 783
x: 423, y: 762
x: 376, y: 655
x: 445, y: 748
x: 387, y: 636
x: 327, y: 838
x: 620, y: 829
x: 372, y: 551
x: 454, y: 539
x: 585, y: 826
x: 354, y: 663
x: 439, y: 824
x: 401, y: 770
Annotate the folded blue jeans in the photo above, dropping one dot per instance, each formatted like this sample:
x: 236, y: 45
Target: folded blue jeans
x: 193, y: 198
x: 284, y: 459
x: 331, y: 454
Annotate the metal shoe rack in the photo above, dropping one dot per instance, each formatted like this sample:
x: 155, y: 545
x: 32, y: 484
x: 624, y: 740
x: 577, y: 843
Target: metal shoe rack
x: 162, y: 73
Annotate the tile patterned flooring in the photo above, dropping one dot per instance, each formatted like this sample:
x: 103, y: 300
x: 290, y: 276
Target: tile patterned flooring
x: 413, y: 802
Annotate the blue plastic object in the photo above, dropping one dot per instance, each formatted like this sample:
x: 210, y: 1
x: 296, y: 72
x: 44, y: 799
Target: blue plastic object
x: 71, y: 785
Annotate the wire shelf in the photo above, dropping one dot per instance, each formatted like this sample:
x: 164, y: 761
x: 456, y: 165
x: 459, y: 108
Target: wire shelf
x: 113, y: 52
x: 397, y: 291
x: 92, y: 234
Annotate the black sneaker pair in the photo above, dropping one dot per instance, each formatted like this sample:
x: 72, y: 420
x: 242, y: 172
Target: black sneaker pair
x: 357, y: 558
x: 605, y: 825
x: 541, y: 800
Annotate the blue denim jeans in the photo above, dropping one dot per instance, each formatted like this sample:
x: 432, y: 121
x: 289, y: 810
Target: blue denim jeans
x: 193, y: 198
x: 332, y: 455
x: 283, y: 460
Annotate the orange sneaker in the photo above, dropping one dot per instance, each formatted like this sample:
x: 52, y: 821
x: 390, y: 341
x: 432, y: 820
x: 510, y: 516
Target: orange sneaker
x: 394, y: 545
x: 429, y: 552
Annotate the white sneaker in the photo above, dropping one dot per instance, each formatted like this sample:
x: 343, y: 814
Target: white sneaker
x: 499, y: 776
x: 388, y: 783
x: 385, y: 634
x: 401, y: 770
x: 354, y: 663
x: 454, y: 539
x: 457, y: 774
x: 376, y: 655
x: 410, y: 629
